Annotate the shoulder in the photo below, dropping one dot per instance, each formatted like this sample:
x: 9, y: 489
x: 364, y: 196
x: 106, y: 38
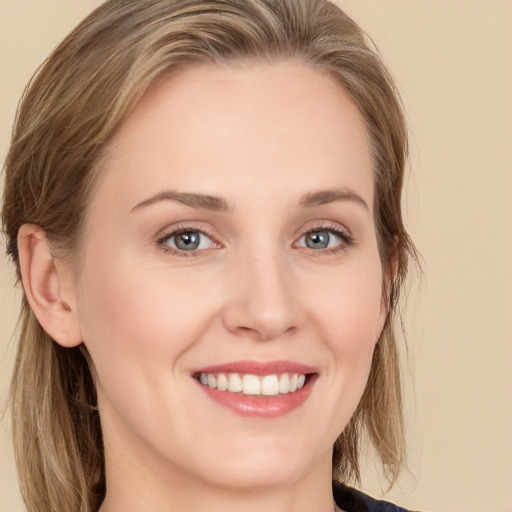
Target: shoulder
x: 352, y: 500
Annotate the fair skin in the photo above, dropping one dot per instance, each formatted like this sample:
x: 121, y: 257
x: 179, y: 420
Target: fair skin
x: 281, y: 274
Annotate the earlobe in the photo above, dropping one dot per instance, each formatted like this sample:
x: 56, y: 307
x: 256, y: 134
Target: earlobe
x: 44, y: 279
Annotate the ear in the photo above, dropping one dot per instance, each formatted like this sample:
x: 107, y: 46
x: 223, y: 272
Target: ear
x: 48, y: 285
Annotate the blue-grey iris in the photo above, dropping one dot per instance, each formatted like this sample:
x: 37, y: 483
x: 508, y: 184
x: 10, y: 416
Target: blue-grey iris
x: 187, y: 241
x: 317, y: 240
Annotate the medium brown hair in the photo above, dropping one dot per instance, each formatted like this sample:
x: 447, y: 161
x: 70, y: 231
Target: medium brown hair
x: 69, y: 112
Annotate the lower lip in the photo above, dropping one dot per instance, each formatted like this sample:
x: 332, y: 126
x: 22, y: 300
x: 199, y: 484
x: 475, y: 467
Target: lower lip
x: 260, y: 406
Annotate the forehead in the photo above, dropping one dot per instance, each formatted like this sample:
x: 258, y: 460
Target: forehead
x: 239, y: 128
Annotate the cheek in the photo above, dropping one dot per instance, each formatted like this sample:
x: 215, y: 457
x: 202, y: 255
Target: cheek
x: 352, y: 317
x: 350, y: 302
x: 137, y: 318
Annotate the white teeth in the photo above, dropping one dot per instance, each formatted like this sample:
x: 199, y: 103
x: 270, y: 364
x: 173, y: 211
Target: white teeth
x: 248, y: 384
x: 270, y: 385
x: 234, y: 383
x: 284, y: 383
x: 293, y: 383
x: 222, y: 382
x: 251, y: 385
x: 212, y: 381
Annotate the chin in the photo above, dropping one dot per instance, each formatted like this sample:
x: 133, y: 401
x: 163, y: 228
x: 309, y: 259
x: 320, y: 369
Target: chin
x: 250, y: 477
x: 261, y: 468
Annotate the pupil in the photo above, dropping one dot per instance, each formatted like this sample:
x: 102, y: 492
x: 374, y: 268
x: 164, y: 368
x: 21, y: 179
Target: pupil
x: 187, y: 241
x: 318, y: 240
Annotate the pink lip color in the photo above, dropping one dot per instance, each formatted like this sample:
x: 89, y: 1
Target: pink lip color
x: 258, y: 368
x: 260, y: 406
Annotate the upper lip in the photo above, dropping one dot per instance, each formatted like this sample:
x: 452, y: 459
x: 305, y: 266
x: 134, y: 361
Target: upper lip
x: 258, y: 368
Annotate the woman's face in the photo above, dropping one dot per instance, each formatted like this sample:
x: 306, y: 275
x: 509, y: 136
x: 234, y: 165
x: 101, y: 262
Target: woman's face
x: 230, y: 242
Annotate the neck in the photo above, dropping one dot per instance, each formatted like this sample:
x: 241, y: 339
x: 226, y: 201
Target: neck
x: 215, y: 500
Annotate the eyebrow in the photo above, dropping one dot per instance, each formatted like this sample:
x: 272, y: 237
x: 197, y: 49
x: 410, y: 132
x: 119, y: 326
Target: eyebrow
x: 220, y: 204
x: 331, y: 195
x: 197, y: 201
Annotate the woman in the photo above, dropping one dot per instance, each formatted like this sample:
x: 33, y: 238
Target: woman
x: 202, y: 201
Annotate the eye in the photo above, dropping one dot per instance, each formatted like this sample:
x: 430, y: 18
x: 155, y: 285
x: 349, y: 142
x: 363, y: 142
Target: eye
x: 186, y: 240
x: 332, y: 239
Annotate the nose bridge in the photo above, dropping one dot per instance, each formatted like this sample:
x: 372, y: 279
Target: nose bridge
x: 264, y: 303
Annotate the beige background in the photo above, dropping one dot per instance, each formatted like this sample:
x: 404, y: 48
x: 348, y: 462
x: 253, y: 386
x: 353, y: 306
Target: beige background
x: 453, y: 62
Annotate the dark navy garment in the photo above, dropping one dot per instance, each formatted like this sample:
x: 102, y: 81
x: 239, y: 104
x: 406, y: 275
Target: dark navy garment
x: 352, y: 500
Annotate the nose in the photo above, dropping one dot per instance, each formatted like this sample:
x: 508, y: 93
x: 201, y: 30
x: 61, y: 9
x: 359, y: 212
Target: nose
x: 262, y: 300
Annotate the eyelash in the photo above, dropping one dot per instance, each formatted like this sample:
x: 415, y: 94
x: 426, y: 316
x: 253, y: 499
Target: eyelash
x: 345, y: 237
x: 178, y: 231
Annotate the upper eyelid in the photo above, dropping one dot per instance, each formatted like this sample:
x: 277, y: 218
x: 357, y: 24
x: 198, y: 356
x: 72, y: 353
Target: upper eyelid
x: 167, y: 231
x: 341, y: 233
x: 170, y: 231
x: 167, y: 235
x: 327, y: 226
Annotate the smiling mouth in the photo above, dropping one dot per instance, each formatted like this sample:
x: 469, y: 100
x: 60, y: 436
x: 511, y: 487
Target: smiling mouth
x: 258, y: 389
x: 254, y: 385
